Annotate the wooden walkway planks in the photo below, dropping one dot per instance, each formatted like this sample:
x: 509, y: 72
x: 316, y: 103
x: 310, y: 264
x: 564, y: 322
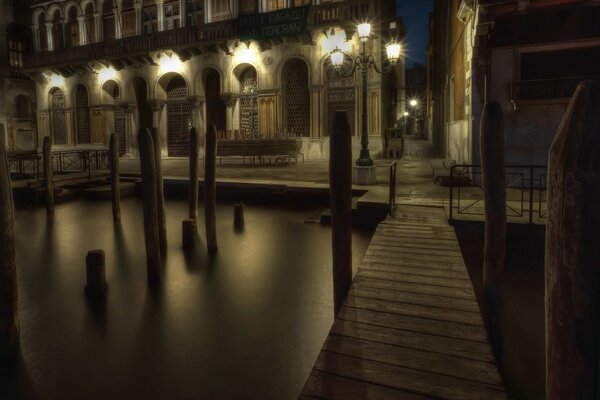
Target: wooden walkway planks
x: 410, y: 327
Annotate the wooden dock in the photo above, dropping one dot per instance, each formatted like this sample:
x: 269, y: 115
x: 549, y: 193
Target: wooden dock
x: 410, y: 327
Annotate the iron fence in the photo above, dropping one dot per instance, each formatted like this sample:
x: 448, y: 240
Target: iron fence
x: 26, y: 165
x: 525, y: 189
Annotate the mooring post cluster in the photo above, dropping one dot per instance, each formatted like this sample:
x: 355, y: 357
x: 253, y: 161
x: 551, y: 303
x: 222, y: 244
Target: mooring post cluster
x: 210, y: 188
x: 113, y: 156
x: 48, y: 176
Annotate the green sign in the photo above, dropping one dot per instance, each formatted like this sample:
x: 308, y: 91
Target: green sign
x: 285, y: 22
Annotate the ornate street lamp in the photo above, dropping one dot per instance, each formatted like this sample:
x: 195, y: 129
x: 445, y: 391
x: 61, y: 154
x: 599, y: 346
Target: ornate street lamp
x: 363, y: 62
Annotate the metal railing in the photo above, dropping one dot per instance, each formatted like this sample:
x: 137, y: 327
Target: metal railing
x: 26, y: 165
x: 525, y: 187
x: 392, y: 188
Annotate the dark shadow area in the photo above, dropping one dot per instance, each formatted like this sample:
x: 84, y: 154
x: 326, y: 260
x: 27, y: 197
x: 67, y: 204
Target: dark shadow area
x: 523, y: 320
x: 15, y: 382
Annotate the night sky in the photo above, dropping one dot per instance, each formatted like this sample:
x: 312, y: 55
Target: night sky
x: 415, y: 14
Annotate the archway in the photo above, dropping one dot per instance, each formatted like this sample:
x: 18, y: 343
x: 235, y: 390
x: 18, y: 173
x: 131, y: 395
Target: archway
x: 296, y: 98
x: 215, y: 106
x: 144, y: 111
x: 90, y: 22
x: 248, y: 102
x: 108, y: 20
x: 82, y: 114
x: 41, y: 21
x: 116, y: 117
x: 128, y: 18
x: 57, y: 32
x: 341, y: 95
x: 179, y: 115
x: 72, y: 27
x: 57, y: 106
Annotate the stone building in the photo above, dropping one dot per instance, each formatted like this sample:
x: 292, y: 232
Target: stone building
x: 17, y: 93
x: 528, y: 55
x: 250, y: 67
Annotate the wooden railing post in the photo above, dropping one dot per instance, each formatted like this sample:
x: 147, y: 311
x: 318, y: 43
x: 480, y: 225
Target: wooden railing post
x: 210, y: 188
x: 48, y: 178
x: 160, y: 194
x: 9, y: 312
x: 194, y: 174
x: 149, y: 196
x: 573, y: 252
x: 340, y: 183
x: 113, y: 156
x: 494, y: 191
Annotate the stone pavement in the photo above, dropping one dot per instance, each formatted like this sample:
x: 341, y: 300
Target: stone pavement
x: 414, y: 173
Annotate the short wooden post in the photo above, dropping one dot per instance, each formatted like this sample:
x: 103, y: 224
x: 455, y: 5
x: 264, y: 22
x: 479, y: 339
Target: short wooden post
x: 238, y: 215
x: 188, y: 233
x: 48, y: 177
x: 340, y: 183
x: 9, y: 312
x: 160, y: 194
x: 149, y: 194
x: 113, y: 152
x: 573, y: 251
x: 96, y: 286
x: 210, y: 188
x: 194, y: 174
x: 494, y: 191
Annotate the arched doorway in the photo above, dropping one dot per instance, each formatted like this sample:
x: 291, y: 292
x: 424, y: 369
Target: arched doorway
x: 215, y: 106
x: 82, y: 114
x: 296, y: 98
x: 179, y: 117
x: 341, y: 95
x: 108, y: 20
x: 248, y: 102
x: 72, y: 27
x: 144, y: 111
x: 57, y: 106
x: 116, y: 115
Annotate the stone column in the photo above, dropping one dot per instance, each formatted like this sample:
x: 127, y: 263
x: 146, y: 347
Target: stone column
x: 118, y: 27
x: 182, y: 13
x: 70, y: 128
x: 130, y: 130
x: 37, y: 46
x: 157, y: 106
x: 83, y: 39
x: 197, y: 116
x: 98, y: 26
x: 160, y: 15
x: 43, y: 126
x: 138, y: 18
x: 49, y: 35
x: 230, y: 100
x: 315, y: 107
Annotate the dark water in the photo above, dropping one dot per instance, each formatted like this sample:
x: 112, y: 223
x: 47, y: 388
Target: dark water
x: 522, y: 361
x: 248, y: 324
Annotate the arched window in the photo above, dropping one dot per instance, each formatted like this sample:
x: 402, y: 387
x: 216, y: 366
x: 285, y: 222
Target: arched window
x: 248, y: 102
x: 171, y: 14
x: 149, y: 18
x: 128, y: 18
x: 215, y: 106
x: 90, y: 22
x: 72, y: 27
x: 57, y: 104
x: 82, y: 113
x: 41, y: 21
x: 17, y: 40
x: 57, y: 32
x: 179, y: 116
x: 108, y: 20
x: 296, y: 98
x: 220, y: 10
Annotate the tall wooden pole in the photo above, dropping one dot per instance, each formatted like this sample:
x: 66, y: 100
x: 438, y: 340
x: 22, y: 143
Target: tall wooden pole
x: 149, y: 195
x: 194, y: 174
x: 160, y: 194
x: 494, y: 191
x: 210, y: 188
x: 340, y: 183
x: 113, y: 150
x: 573, y: 251
x: 48, y: 178
x: 9, y: 312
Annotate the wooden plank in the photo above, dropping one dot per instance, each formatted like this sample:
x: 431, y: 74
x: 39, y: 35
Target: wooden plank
x: 436, y: 243
x: 415, y: 287
x: 407, y: 262
x: 464, y: 317
x: 420, y: 382
x: 414, y: 270
x: 412, y: 324
x: 323, y: 385
x: 428, y: 250
x: 479, y: 371
x: 427, y: 280
x: 417, y: 298
x: 414, y: 255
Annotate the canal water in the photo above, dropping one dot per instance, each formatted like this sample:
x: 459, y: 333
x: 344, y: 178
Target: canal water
x: 248, y: 323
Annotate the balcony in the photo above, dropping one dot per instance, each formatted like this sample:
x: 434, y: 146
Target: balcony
x: 189, y: 40
x: 544, y: 88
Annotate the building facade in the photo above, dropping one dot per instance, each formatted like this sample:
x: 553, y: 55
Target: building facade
x: 17, y: 92
x: 251, y: 68
x: 528, y: 55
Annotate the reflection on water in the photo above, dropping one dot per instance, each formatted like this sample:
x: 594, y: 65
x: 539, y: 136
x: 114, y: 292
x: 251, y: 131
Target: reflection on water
x: 247, y: 324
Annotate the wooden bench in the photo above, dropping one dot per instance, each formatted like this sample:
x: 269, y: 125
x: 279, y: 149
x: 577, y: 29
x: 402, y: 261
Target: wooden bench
x: 281, y: 149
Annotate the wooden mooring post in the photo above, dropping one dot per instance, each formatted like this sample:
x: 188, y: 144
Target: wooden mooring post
x: 95, y: 270
x: 113, y: 155
x: 9, y: 312
x: 573, y: 251
x: 48, y: 178
x: 149, y: 195
x: 210, y: 188
x: 494, y: 191
x: 340, y: 182
x: 160, y: 193
x: 194, y: 174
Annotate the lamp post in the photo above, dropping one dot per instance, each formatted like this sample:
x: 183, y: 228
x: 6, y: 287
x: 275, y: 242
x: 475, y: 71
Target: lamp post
x: 362, y: 62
